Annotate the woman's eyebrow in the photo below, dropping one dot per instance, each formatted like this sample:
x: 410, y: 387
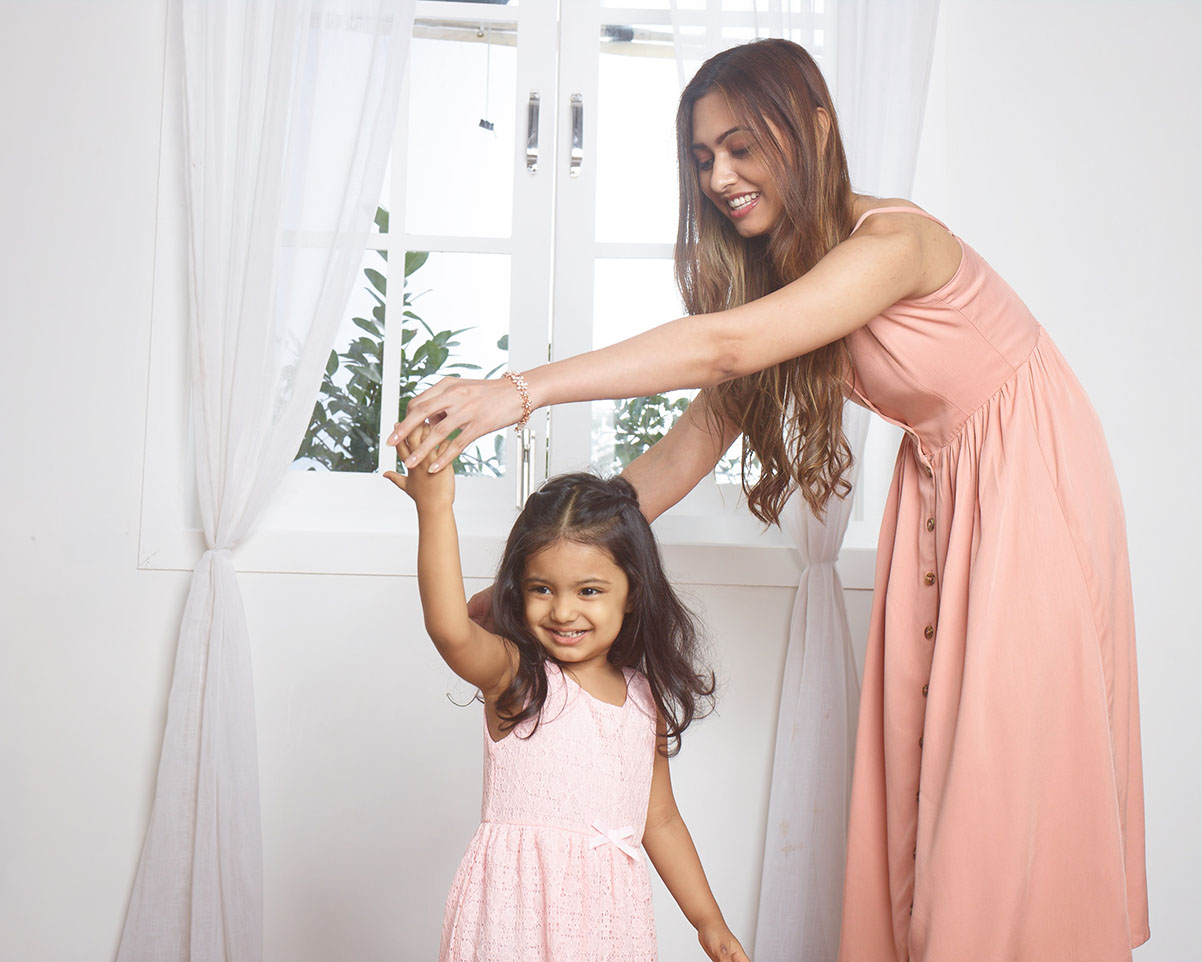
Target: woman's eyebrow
x: 721, y: 137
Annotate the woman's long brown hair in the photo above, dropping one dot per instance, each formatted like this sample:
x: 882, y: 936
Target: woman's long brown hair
x: 791, y: 414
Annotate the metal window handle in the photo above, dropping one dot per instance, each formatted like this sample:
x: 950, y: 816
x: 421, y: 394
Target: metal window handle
x: 532, y: 133
x: 527, y: 455
x: 577, y: 155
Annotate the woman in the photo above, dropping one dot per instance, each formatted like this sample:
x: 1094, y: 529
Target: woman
x: 997, y: 801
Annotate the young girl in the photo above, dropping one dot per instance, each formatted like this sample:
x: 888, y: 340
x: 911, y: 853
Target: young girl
x: 587, y: 689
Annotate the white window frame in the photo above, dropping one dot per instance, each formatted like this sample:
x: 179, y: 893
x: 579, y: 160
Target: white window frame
x: 346, y: 523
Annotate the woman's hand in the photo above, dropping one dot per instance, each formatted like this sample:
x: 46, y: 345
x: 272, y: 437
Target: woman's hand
x: 426, y: 488
x: 719, y: 944
x: 479, y: 609
x: 472, y: 407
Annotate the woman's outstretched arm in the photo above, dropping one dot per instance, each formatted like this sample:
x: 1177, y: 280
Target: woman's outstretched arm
x: 672, y: 467
x: 858, y: 279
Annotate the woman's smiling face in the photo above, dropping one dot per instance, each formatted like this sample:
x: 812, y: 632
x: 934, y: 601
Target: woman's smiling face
x: 730, y: 168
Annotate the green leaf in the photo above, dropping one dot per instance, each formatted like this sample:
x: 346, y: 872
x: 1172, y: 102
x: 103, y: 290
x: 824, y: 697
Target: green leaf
x: 378, y: 280
x: 332, y: 363
x: 503, y: 342
x: 382, y: 220
x: 414, y: 260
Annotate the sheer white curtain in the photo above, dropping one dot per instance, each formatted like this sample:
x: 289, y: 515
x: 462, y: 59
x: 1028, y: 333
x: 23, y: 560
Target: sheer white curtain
x: 289, y: 112
x: 876, y: 55
x: 882, y: 59
x: 806, y: 842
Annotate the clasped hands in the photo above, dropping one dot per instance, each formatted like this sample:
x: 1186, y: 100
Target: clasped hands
x: 471, y: 406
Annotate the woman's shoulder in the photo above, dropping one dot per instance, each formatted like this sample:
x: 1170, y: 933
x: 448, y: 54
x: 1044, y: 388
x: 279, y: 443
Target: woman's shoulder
x: 870, y: 213
x: 934, y: 251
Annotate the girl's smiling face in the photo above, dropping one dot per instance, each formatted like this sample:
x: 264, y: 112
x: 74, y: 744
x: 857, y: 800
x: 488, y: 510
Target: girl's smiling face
x: 575, y: 601
x: 730, y: 168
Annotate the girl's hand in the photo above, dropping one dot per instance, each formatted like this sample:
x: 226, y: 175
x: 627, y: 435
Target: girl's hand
x: 428, y: 490
x: 473, y: 407
x: 719, y: 944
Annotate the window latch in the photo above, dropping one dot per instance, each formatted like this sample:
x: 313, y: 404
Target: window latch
x: 577, y: 155
x: 526, y: 440
x: 532, y: 132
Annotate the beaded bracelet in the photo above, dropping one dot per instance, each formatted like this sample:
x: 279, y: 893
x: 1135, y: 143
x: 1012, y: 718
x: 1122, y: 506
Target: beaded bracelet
x: 519, y: 382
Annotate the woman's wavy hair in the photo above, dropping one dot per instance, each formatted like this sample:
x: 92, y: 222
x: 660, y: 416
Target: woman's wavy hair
x: 791, y: 414
x: 658, y: 636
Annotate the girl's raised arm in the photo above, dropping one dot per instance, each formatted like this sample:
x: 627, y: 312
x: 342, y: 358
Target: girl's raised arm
x: 876, y: 267
x: 477, y: 656
x: 670, y: 847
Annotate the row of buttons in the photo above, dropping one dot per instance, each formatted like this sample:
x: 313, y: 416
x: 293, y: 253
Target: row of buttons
x: 929, y: 580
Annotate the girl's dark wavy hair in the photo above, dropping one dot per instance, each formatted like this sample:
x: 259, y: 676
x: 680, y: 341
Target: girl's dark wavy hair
x: 659, y: 635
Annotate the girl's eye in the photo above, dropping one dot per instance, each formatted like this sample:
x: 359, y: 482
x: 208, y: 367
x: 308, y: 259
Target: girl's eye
x: 539, y: 589
x: 590, y: 592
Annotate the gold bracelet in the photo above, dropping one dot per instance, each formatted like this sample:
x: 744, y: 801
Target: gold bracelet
x: 519, y: 382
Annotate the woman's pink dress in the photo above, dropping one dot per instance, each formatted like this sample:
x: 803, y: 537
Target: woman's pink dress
x: 556, y: 870
x: 997, y: 801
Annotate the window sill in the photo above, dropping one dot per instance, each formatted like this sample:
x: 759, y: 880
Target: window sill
x: 372, y: 532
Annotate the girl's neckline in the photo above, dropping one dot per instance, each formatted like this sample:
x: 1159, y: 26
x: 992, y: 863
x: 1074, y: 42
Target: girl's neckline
x: 600, y: 701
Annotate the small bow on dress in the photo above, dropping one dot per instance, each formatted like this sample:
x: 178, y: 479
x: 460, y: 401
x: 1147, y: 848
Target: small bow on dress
x: 622, y: 838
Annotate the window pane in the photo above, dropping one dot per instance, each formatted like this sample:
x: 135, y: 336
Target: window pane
x: 454, y: 318
x: 631, y: 296
x: 459, y: 179
x: 380, y: 224
x: 636, y: 138
x: 457, y: 308
x: 344, y: 429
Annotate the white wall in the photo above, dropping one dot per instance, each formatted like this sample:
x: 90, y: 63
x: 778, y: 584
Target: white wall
x: 1065, y: 145
x: 1067, y: 150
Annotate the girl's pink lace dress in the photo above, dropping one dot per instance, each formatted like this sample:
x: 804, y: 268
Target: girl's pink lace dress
x: 556, y: 870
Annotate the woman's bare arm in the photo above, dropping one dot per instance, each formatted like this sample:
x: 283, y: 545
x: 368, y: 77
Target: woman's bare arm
x: 876, y: 267
x: 672, y: 467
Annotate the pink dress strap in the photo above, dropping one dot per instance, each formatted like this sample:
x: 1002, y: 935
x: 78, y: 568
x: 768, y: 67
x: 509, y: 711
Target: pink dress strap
x: 898, y: 210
